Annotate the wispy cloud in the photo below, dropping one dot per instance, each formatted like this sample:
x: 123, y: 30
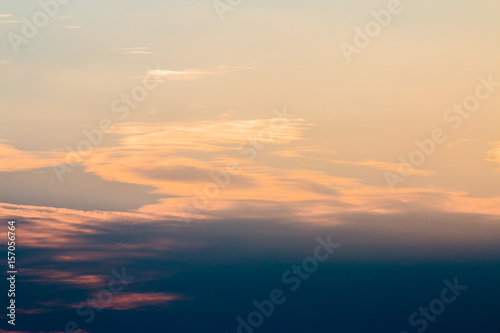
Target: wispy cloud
x: 214, y: 135
x: 136, y: 50
x: 184, y: 75
x: 9, y: 21
x: 127, y: 301
x: 52, y: 276
x: 12, y: 159
x: 193, y: 73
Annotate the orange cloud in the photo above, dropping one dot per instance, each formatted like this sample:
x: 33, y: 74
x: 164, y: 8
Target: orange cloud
x: 65, y: 277
x: 179, y: 160
x: 12, y: 159
x: 207, y: 135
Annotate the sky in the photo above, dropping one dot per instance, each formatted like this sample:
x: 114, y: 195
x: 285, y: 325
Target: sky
x: 205, y: 148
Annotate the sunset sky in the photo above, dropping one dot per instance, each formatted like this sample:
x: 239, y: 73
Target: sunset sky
x: 205, y: 146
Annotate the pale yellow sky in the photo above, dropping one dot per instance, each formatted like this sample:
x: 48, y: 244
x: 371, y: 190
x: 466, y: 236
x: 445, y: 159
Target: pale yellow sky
x: 348, y: 122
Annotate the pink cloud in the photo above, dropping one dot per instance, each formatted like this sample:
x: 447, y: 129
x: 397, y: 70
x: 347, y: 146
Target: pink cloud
x: 127, y: 301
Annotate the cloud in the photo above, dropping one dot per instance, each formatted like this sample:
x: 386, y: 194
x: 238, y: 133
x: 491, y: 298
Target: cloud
x: 214, y: 135
x: 136, y: 50
x: 193, y: 74
x: 149, y: 154
x: 128, y: 301
x: 67, y: 229
x: 182, y: 163
x: 164, y: 253
x: 9, y: 21
x: 6, y: 19
x: 12, y: 159
x: 44, y: 189
x: 180, y: 160
x: 44, y: 276
x: 184, y: 75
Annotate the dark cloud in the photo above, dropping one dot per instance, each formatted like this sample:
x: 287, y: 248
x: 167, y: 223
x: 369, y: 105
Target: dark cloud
x: 79, y: 190
x: 387, y: 266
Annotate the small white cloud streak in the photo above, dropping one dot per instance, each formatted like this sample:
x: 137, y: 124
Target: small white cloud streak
x: 193, y: 73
